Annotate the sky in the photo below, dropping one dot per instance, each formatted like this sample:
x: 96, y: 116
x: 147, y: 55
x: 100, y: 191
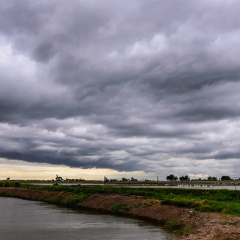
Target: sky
x: 105, y: 88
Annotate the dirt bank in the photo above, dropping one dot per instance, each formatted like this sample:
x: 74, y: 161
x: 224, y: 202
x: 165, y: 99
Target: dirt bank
x: 199, y: 226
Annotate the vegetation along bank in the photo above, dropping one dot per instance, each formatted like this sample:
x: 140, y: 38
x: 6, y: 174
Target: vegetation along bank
x: 191, y: 213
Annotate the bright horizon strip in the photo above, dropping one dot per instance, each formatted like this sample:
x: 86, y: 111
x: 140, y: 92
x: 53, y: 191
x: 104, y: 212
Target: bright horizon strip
x: 17, y: 169
x: 21, y: 170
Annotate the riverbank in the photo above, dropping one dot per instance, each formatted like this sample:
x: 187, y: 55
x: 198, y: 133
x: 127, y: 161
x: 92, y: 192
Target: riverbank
x: 193, y: 224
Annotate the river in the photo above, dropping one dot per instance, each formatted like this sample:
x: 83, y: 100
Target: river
x: 190, y: 186
x: 25, y: 220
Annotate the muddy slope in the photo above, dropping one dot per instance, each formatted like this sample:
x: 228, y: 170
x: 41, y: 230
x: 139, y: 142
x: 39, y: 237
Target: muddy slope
x: 199, y: 226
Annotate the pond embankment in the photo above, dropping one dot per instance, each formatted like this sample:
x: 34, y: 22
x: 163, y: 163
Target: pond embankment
x: 193, y: 224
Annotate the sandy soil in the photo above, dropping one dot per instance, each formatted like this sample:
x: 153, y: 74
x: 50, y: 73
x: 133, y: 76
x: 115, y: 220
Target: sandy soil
x: 203, y: 226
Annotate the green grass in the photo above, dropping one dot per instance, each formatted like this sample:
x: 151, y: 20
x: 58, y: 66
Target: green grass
x: 76, y: 199
x: 118, y: 206
x: 8, y: 183
x: 222, y: 201
x: 57, y: 200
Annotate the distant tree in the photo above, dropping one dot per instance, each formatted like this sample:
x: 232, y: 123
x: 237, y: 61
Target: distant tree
x: 212, y: 178
x: 125, y: 179
x: 184, y: 178
x: 113, y: 180
x: 106, y: 180
x: 172, y: 177
x: 133, y: 179
x: 224, y: 178
x: 58, y: 178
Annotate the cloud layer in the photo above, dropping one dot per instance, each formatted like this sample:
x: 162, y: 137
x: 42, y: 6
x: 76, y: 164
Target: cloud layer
x: 146, y: 85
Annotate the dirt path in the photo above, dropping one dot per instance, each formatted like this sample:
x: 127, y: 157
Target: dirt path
x: 197, y: 226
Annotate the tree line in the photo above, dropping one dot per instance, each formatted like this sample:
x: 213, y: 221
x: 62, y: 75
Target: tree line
x: 172, y: 177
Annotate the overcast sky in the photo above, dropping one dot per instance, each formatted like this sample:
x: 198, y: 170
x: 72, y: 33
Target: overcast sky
x: 142, y: 86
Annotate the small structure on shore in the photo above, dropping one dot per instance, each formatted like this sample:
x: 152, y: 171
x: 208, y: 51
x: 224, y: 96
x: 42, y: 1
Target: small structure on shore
x: 58, y: 178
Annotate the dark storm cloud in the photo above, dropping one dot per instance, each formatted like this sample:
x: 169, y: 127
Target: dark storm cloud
x: 121, y: 86
x: 43, y: 52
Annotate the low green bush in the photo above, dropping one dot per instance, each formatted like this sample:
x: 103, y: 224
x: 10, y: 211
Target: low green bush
x: 119, y: 206
x: 76, y: 199
x: 7, y: 183
x: 174, y: 225
x: 57, y: 199
x: 17, y: 184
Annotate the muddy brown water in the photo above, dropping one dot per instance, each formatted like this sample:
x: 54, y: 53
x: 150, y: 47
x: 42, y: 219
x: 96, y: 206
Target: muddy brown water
x: 24, y: 219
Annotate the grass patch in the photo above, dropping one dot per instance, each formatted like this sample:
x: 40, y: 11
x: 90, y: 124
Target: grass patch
x: 8, y: 183
x: 178, y: 228
x: 119, y: 206
x: 57, y: 199
x: 76, y: 199
x: 174, y: 225
x: 10, y: 195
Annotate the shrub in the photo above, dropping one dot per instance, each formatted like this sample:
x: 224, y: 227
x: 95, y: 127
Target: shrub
x: 174, y: 225
x: 118, y: 206
x: 76, y: 199
x: 17, y: 184
x: 6, y: 184
x: 57, y: 200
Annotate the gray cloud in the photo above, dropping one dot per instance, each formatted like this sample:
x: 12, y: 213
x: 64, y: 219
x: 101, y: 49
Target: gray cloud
x: 121, y: 86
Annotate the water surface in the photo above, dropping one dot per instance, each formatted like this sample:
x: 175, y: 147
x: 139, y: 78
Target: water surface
x: 25, y: 220
x: 190, y: 186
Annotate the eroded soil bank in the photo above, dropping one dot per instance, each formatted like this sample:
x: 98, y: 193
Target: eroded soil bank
x: 196, y: 225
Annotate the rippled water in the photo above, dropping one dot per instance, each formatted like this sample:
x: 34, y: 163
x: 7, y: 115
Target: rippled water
x: 25, y: 220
